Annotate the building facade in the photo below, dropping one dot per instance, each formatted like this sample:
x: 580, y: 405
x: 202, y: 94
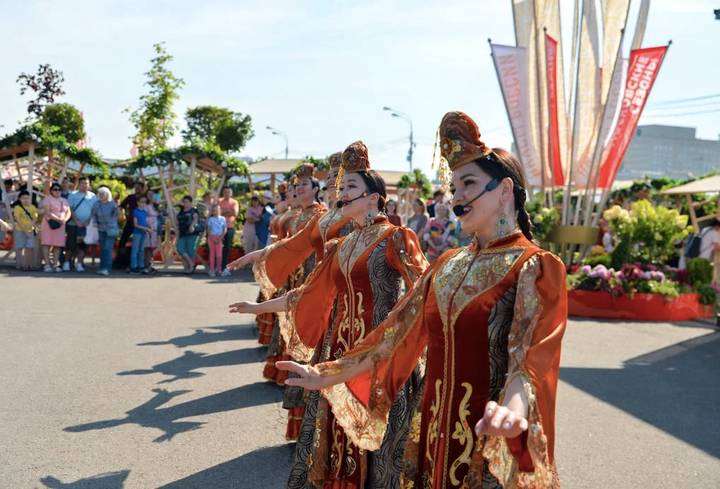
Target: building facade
x: 669, y: 151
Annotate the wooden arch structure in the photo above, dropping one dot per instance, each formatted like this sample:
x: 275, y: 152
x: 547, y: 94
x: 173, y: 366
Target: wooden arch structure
x: 179, y: 173
x: 35, y: 165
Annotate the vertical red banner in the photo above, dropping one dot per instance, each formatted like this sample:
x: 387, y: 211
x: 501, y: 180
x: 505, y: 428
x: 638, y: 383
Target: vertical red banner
x: 642, y: 70
x: 554, y: 156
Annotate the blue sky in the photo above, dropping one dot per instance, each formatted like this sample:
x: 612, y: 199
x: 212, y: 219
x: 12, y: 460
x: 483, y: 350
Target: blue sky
x: 319, y: 70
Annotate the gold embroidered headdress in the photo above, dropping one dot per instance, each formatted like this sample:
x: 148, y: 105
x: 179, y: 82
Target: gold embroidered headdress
x: 305, y: 170
x: 335, y: 160
x: 354, y: 159
x: 459, y: 140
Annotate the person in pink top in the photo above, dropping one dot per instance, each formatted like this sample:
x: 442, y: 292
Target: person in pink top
x: 229, y: 208
x: 56, y: 212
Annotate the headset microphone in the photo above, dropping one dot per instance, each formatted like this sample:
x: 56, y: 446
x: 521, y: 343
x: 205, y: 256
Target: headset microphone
x: 462, y: 209
x: 340, y: 204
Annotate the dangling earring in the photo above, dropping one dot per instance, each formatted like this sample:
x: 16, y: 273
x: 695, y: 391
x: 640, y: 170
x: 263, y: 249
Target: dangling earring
x: 369, y: 220
x: 501, y: 227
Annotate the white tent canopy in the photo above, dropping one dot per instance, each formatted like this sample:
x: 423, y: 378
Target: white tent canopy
x: 702, y: 186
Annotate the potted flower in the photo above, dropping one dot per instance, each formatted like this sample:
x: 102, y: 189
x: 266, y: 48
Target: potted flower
x: 636, y: 292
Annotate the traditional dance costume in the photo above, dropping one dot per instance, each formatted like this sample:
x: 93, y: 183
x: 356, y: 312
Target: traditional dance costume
x: 353, y: 289
x: 487, y: 316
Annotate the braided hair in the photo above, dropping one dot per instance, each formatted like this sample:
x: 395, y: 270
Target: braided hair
x: 500, y: 164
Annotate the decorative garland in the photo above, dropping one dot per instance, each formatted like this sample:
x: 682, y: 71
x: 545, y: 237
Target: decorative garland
x: 45, y: 140
x: 161, y: 158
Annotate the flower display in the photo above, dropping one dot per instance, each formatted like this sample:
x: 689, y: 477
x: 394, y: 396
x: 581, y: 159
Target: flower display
x: 631, y: 279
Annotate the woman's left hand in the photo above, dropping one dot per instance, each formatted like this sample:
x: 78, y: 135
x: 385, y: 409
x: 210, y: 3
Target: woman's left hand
x: 243, y: 307
x: 500, y: 421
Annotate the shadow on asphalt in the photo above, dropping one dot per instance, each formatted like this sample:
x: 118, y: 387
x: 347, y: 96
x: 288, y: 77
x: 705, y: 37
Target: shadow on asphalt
x: 243, y: 276
x: 261, y: 469
x: 109, y: 480
x: 184, y: 366
x: 151, y: 415
x: 675, y: 389
x: 211, y: 334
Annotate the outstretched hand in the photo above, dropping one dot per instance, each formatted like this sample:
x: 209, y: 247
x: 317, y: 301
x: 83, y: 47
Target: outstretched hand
x: 309, y: 378
x: 500, y: 421
x: 244, y: 307
x: 238, y: 264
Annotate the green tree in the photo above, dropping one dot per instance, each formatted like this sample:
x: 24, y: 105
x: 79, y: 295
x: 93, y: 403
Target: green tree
x: 64, y: 120
x: 155, y: 119
x: 217, y: 126
x: 46, y: 84
x: 418, y: 181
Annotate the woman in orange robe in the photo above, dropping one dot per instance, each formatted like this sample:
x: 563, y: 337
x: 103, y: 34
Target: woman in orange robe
x: 492, y: 316
x: 360, y: 280
x: 275, y: 264
x: 306, y: 189
x: 284, y: 210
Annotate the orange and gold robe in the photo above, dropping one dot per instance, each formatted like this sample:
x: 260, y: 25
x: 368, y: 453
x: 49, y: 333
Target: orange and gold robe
x: 279, y: 227
x: 280, y: 259
x: 486, y: 316
x: 277, y: 264
x: 276, y: 348
x: 357, y: 284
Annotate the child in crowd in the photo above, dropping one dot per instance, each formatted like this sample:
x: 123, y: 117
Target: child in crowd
x: 216, y: 229
x: 140, y: 231
x: 26, y: 219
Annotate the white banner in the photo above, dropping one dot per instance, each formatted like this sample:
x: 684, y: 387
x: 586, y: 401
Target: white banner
x: 586, y: 117
x: 511, y: 66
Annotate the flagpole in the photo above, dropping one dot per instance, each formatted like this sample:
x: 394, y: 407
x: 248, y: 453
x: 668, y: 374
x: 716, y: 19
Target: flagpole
x: 567, y: 196
x: 547, y: 86
x: 538, y: 78
x: 594, y: 173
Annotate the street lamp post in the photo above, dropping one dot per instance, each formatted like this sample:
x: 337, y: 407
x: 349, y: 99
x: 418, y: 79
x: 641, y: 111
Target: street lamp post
x: 402, y: 115
x: 280, y: 133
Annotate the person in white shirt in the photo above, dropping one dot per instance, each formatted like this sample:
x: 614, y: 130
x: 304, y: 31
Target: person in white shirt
x: 710, y: 247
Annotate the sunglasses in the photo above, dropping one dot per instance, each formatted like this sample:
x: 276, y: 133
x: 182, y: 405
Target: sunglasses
x: 55, y: 190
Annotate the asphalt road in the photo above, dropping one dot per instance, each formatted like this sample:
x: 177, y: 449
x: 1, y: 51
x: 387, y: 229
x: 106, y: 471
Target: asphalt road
x: 137, y: 382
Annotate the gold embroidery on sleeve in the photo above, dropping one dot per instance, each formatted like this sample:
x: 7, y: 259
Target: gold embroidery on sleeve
x: 500, y: 461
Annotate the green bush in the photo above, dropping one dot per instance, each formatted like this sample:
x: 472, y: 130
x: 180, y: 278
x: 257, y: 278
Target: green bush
x: 700, y: 271
x: 645, y: 234
x: 708, y: 294
x: 595, y: 260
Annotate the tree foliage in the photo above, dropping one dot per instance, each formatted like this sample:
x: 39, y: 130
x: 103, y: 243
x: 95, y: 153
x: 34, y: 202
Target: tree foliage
x: 418, y: 181
x: 155, y: 119
x: 64, y: 120
x: 46, y: 85
x: 208, y: 125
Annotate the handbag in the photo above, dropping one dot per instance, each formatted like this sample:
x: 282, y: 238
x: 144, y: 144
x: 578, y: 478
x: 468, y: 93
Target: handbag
x: 92, y: 235
x: 55, y: 224
x: 692, y: 248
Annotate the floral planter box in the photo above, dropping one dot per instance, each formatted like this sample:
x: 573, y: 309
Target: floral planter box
x: 641, y: 307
